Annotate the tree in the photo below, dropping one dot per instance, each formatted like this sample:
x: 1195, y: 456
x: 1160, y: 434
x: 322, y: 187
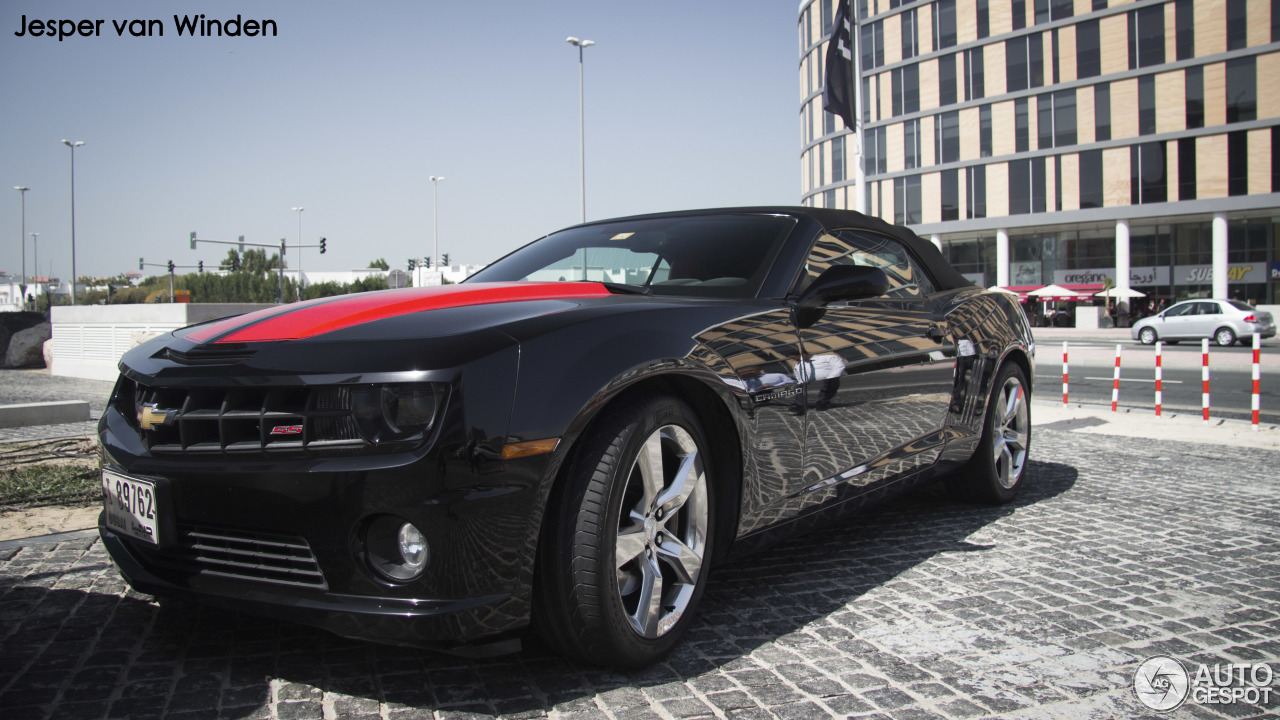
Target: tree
x: 380, y: 263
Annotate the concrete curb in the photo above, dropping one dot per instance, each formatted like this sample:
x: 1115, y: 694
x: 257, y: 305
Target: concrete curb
x: 44, y: 413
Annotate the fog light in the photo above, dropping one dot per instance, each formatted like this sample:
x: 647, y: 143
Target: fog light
x: 413, y: 547
x: 395, y: 549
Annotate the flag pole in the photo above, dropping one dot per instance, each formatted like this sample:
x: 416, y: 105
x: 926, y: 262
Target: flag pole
x: 860, y: 169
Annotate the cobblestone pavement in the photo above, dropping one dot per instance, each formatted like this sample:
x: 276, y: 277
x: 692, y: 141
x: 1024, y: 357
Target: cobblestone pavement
x: 1118, y: 550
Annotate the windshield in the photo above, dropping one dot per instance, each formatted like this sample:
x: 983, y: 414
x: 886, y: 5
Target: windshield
x: 708, y: 256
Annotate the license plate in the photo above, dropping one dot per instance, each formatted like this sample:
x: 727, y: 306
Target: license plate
x: 131, y: 506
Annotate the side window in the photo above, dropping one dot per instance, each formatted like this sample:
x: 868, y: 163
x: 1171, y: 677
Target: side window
x: 1177, y: 310
x: 1210, y: 308
x: 853, y: 247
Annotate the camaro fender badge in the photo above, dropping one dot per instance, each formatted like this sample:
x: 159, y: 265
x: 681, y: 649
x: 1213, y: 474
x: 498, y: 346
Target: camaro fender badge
x: 150, y: 416
x: 286, y: 430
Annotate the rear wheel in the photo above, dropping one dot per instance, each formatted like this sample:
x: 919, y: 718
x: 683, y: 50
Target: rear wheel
x: 626, y: 551
x: 994, y: 473
x: 1225, y: 337
x: 1147, y: 336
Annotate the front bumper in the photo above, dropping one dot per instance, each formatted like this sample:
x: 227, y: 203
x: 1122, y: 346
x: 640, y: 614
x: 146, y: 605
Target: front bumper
x: 449, y: 625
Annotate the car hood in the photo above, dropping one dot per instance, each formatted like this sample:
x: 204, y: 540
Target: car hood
x: 401, y: 330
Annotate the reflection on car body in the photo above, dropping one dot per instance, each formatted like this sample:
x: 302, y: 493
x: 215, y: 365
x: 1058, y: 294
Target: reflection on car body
x: 570, y: 439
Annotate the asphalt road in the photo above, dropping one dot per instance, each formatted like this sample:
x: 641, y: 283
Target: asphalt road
x: 1091, y: 364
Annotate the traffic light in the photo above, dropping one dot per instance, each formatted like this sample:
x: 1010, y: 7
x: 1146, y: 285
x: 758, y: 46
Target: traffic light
x: 322, y: 244
x: 193, y: 241
x: 201, y: 266
x: 139, y: 263
x: 412, y: 264
x: 171, y: 266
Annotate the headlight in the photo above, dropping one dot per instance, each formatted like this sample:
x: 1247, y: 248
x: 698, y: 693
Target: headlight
x: 395, y: 412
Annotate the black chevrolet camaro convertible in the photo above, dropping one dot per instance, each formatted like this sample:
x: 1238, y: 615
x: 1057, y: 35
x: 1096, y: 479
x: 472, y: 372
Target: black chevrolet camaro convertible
x: 569, y: 440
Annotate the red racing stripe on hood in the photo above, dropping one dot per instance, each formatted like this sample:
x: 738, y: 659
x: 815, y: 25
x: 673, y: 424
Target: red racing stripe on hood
x: 316, y: 317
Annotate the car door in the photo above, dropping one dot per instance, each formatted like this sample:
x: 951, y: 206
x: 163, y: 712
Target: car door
x: 1177, y: 321
x: 1206, y: 319
x: 877, y: 373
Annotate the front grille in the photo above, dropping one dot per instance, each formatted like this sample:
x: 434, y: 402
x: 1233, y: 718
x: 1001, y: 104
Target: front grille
x: 245, y: 555
x: 240, y: 420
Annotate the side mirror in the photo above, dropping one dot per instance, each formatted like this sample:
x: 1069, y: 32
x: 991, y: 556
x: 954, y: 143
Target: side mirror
x: 844, y: 282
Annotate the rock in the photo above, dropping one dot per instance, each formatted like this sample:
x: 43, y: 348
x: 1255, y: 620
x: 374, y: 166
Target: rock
x: 48, y: 353
x: 26, y: 347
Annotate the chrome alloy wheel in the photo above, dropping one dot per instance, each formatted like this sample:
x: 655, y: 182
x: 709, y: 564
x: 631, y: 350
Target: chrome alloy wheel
x: 662, y: 531
x: 1011, y: 423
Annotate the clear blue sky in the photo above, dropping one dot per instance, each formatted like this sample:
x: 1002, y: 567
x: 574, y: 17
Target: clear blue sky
x: 353, y: 105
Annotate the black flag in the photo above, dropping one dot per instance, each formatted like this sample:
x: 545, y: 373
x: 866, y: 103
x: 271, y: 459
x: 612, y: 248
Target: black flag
x: 837, y: 96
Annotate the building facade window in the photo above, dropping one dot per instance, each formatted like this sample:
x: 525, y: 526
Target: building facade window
x: 1091, y: 179
x: 1148, y: 181
x: 1024, y: 57
x: 1237, y: 24
x: 1064, y: 118
x: 1102, y: 112
x: 984, y: 131
x: 1194, y: 83
x: 1026, y: 186
x: 950, y: 195
x: 1147, y: 105
x: 944, y: 24
x: 837, y: 159
x: 975, y: 179
x: 911, y: 144
x: 1238, y: 163
x: 1021, y: 126
x: 1042, y: 11
x: 1187, y: 169
x: 906, y: 200
x: 947, y: 137
x: 984, y: 19
x: 974, y: 78
x: 1184, y: 22
x: 1062, y: 9
x: 1099, y: 5
x: 906, y: 90
x: 910, y: 34
x: 1242, y: 89
x: 947, y: 80
x: 1088, y: 49
x: 1044, y: 121
x: 873, y: 45
x: 827, y: 18
x: 1019, y: 14
x: 1146, y: 37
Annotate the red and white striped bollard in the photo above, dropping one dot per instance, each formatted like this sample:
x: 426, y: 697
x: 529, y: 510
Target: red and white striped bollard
x: 1257, y: 375
x: 1064, y: 372
x: 1204, y: 377
x: 1159, y: 377
x: 1115, y: 382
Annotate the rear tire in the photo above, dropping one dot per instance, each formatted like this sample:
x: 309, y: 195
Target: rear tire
x: 627, y: 545
x: 994, y: 474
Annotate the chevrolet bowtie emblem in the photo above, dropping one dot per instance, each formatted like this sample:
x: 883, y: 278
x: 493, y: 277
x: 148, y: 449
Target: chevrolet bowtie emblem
x: 149, y: 417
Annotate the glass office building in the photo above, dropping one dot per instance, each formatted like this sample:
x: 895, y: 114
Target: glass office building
x: 1062, y: 141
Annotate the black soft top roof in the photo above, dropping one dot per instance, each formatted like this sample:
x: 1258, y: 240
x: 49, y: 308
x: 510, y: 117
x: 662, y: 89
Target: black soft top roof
x: 945, y: 276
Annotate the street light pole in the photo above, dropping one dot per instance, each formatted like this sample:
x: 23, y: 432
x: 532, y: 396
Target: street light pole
x: 22, y: 192
x: 73, y: 146
x: 35, y: 259
x: 435, y: 192
x: 582, y: 125
x: 299, y: 211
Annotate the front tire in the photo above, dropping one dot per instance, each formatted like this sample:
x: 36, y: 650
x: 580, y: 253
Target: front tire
x: 994, y: 473
x: 626, y: 550
x: 1225, y: 337
x: 1147, y: 336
